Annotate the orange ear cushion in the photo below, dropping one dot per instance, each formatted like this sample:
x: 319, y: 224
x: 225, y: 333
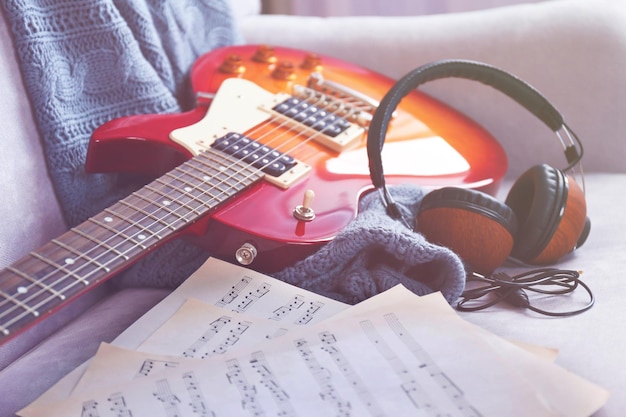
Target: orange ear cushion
x: 551, y: 212
x: 474, y: 225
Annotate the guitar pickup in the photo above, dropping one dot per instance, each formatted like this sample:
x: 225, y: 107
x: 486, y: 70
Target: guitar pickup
x: 265, y: 158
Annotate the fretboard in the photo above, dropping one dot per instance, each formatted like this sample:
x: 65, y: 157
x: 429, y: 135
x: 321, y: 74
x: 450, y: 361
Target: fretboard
x: 106, y: 243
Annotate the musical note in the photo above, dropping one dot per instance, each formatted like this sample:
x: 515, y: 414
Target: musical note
x: 151, y: 365
x: 231, y: 295
x: 118, y: 405
x: 308, y: 315
x: 248, y: 392
x: 233, y: 337
x: 272, y: 384
x: 454, y: 393
x: 165, y: 395
x: 343, y: 365
x: 214, y: 328
x: 252, y: 297
x: 324, y: 379
x: 198, y: 403
x: 295, y: 303
x: 90, y: 409
x: 408, y: 382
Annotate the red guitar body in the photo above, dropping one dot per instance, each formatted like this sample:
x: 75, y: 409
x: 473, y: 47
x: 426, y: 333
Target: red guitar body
x: 270, y: 125
x: 262, y: 215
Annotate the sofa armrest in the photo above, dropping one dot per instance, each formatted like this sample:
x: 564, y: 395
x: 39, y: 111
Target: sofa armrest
x: 29, y: 211
x: 573, y: 51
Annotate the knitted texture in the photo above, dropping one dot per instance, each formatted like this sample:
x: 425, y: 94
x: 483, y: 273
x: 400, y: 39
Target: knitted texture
x: 85, y: 62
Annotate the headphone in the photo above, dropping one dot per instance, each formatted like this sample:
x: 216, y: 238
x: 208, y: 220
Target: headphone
x: 544, y: 216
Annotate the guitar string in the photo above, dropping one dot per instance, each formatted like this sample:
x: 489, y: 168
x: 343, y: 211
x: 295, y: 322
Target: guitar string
x: 28, y: 309
x: 116, y: 233
x: 291, y: 127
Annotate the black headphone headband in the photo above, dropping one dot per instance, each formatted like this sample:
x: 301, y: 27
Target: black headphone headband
x: 515, y: 88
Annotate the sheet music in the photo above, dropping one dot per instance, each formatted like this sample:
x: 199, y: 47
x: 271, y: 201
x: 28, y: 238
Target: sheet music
x: 197, y: 330
x: 238, y: 290
x: 393, y: 355
x: 219, y: 283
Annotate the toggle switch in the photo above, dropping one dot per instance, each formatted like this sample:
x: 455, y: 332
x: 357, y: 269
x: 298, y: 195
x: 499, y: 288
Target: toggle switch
x: 304, y: 211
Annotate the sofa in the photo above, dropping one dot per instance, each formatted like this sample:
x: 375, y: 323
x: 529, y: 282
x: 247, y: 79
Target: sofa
x: 573, y: 51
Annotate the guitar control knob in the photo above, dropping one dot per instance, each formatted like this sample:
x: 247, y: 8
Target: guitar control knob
x: 265, y: 54
x: 304, y: 211
x: 233, y: 64
x: 312, y: 62
x: 246, y: 253
x: 285, y: 71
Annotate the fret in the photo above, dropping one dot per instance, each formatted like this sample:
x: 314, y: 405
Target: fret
x: 136, y: 224
x: 209, y: 199
x: 219, y: 180
x: 176, y: 183
x: 115, y: 241
x: 117, y: 232
x: 81, y: 255
x: 203, y: 180
x: 100, y: 243
x: 225, y: 163
x: 59, y: 267
x: 149, y: 215
x: 214, y: 165
x: 176, y: 202
x: 20, y: 304
x: 36, y: 282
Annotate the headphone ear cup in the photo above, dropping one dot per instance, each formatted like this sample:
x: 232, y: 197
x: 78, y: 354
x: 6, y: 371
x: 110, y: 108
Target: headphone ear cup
x: 551, y: 212
x: 476, y: 226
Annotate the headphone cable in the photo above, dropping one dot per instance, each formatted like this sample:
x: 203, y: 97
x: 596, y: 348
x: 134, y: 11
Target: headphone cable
x: 513, y: 290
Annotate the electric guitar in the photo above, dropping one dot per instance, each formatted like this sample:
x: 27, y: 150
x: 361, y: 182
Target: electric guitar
x: 269, y: 166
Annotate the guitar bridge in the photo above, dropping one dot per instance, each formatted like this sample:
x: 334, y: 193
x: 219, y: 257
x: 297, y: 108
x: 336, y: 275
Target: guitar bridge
x: 333, y: 121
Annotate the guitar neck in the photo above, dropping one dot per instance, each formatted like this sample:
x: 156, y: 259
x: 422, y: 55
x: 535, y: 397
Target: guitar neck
x: 111, y: 240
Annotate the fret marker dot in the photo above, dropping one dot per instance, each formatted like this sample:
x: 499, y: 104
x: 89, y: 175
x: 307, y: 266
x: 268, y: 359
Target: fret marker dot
x: 188, y: 189
x: 108, y: 219
x: 142, y: 237
x: 69, y: 261
x: 22, y: 290
x: 206, y: 178
x: 166, y: 202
